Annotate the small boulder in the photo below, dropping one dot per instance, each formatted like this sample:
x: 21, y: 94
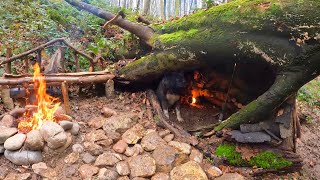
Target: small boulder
x: 122, y: 168
x: 163, y: 133
x: 77, y: 148
x: 53, y: 134
x: 6, y: 132
x: 189, y: 170
x: 151, y: 141
x: 75, y: 129
x: 165, y: 157
x: 142, y: 166
x: 66, y: 125
x: 228, y: 176
x: 72, y: 158
x: 120, y: 146
x: 96, y: 122
x: 107, y: 174
x: 196, y: 156
x: 182, y: 147
x: 38, y: 167
x: 213, y: 172
x: 119, y: 123
x: 15, y: 142
x: 133, y: 151
x: 160, y: 176
x: 87, y: 171
x: 107, y: 159
x: 134, y: 134
x: 17, y: 112
x: 7, y: 121
x: 23, y: 157
x: 169, y: 137
x: 107, y: 112
x: 34, y: 140
x: 88, y: 158
x: 93, y: 148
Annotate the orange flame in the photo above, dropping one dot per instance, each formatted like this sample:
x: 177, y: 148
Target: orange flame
x: 45, y: 103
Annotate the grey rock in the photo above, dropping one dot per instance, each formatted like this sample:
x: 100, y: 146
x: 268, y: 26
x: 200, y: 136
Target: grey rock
x: 15, y: 142
x: 77, y: 148
x: 34, y: 140
x: 122, y: 168
x: 107, y: 159
x: 75, y: 129
x: 88, y: 158
x: 17, y: 112
x: 6, y: 132
x: 23, y: 157
x: 93, y: 149
x: 53, y: 134
x: 107, y: 174
x: 151, y: 141
x: 252, y: 137
x: 7, y: 121
x: 66, y: 125
x: 142, y: 166
x: 69, y: 171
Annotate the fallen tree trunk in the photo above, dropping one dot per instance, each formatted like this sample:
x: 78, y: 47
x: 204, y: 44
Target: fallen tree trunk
x: 282, y: 35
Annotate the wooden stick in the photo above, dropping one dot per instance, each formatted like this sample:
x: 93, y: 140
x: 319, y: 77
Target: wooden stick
x: 26, y: 64
x: 76, y: 59
x: 19, y: 56
x: 8, y: 65
x: 89, y: 79
x: 64, y: 89
x: 39, y: 58
x: 78, y: 74
x: 120, y: 13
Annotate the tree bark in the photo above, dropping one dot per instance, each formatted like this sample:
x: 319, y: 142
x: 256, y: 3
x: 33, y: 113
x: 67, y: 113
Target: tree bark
x: 143, y: 32
x: 146, y: 7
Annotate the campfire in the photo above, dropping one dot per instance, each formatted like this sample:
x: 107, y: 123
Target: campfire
x: 26, y: 132
x: 46, y: 105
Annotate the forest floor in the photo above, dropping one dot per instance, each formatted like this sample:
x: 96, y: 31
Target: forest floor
x: 86, y: 110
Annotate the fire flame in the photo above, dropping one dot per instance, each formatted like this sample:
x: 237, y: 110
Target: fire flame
x: 45, y: 103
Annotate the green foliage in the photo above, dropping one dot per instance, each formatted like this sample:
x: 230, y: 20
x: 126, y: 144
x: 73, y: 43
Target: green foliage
x: 269, y: 160
x: 266, y: 160
x: 310, y: 93
x: 230, y: 153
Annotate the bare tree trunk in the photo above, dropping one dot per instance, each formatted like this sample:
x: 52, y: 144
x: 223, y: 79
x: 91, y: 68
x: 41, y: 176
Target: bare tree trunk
x: 162, y: 11
x: 177, y: 7
x: 146, y: 7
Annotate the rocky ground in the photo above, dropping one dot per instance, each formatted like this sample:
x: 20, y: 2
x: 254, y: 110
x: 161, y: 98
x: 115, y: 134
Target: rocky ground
x: 118, y: 141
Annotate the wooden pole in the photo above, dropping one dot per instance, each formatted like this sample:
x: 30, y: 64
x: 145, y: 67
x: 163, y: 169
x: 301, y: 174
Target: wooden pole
x: 76, y: 59
x: 39, y: 58
x: 26, y: 64
x: 8, y: 65
x: 64, y: 89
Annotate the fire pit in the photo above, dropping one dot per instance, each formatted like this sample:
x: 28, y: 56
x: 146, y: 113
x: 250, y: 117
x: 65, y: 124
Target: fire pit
x: 26, y: 131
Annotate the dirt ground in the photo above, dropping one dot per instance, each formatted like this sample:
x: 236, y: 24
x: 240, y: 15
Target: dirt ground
x: 87, y: 107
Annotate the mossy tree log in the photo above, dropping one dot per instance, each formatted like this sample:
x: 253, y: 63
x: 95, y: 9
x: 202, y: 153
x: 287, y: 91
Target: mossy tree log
x: 285, y: 34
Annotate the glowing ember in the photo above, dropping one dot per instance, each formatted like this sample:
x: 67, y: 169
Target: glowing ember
x: 194, y: 100
x: 45, y: 103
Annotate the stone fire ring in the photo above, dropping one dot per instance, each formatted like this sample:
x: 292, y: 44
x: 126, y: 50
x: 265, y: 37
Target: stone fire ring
x: 26, y: 149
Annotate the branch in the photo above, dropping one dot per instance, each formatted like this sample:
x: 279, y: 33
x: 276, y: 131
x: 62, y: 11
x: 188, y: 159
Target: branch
x: 143, y: 32
x: 19, y: 56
